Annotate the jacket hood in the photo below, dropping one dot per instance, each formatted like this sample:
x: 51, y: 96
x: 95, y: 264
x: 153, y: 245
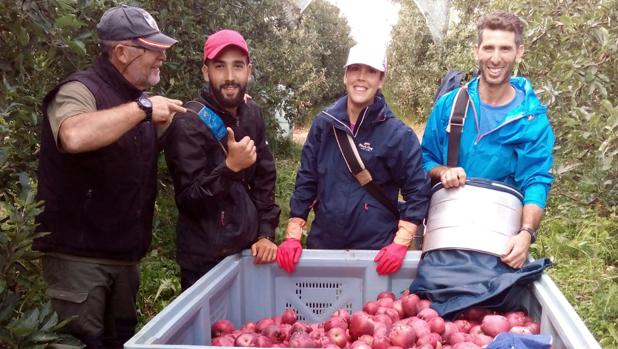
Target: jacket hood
x: 377, y: 111
x: 530, y: 106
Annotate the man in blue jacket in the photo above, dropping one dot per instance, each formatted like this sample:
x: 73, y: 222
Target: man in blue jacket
x: 347, y: 216
x: 506, y: 136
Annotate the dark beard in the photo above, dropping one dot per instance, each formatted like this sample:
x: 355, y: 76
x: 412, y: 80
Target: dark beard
x: 226, y: 102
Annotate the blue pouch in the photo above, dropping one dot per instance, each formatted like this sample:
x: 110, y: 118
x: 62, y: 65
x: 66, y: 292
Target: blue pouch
x: 213, y: 122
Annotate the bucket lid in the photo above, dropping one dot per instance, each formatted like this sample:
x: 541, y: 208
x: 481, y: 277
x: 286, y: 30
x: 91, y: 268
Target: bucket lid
x: 488, y: 184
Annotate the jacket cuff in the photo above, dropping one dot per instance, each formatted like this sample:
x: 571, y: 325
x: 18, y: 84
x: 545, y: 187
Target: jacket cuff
x: 227, y: 173
x: 266, y: 230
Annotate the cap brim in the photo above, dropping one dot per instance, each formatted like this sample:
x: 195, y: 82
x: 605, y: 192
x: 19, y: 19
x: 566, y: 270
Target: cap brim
x: 212, y: 54
x: 377, y: 67
x: 157, y: 41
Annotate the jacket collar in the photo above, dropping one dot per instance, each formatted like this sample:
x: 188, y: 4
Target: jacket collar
x: 530, y: 106
x: 104, y: 68
x: 337, y: 113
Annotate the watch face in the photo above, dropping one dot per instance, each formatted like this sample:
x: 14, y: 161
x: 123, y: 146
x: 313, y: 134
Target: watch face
x: 145, y: 101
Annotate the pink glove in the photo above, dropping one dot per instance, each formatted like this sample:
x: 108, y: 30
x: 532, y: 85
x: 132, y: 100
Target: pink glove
x: 288, y: 254
x: 390, y: 258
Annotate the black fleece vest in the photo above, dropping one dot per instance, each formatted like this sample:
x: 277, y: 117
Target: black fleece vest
x: 99, y: 203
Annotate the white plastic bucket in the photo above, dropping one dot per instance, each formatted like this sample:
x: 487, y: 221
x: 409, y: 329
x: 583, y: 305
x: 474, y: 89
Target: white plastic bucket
x: 480, y: 216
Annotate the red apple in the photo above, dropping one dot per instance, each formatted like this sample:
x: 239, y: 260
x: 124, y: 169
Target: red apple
x: 360, y: 324
x: 437, y: 325
x: 221, y: 327
x: 263, y: 323
x: 273, y: 332
x: 335, y: 321
x: 246, y: 340
x: 466, y: 345
x: 494, y: 324
x: 402, y: 335
x: 371, y: 307
x: 516, y: 318
x: 263, y: 341
x: 427, y: 314
x: 408, y: 303
x: 289, y: 316
x: 423, y: 304
x: 301, y: 339
x: 380, y: 342
x: 342, y: 313
x: 223, y: 341
x: 386, y: 294
x: 386, y: 302
x: 359, y: 344
x: 463, y: 325
x: 337, y: 336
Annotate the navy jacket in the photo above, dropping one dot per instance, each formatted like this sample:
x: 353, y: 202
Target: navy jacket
x: 346, y: 215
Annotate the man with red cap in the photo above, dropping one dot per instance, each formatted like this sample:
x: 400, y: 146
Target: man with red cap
x: 97, y: 177
x: 222, y: 166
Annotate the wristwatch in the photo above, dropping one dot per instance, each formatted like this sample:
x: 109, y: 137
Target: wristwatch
x: 530, y: 231
x: 144, y: 103
x: 265, y: 237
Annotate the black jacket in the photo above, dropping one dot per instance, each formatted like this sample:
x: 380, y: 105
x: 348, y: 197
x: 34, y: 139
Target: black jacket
x: 99, y: 203
x: 220, y: 212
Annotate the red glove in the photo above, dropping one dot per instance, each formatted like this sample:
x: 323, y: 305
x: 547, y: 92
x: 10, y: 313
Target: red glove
x: 390, y: 258
x: 288, y: 254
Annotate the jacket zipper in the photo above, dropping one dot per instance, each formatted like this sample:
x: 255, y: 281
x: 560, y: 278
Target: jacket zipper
x: 346, y: 126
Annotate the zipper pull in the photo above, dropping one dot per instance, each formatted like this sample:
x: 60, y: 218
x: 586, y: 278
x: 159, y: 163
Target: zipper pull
x: 222, y: 218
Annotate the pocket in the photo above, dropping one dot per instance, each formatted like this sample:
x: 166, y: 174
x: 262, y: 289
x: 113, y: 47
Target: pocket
x: 67, y: 296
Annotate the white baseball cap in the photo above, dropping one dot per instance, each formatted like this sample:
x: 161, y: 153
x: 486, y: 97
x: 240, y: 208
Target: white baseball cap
x: 372, y: 55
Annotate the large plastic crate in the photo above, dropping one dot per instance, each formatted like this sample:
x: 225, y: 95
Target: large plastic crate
x: 324, y: 281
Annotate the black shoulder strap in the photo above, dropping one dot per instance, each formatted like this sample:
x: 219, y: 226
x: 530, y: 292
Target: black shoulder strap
x: 357, y: 168
x: 456, y: 122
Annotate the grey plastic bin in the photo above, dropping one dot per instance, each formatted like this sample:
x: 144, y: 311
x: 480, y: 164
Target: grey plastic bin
x: 324, y: 281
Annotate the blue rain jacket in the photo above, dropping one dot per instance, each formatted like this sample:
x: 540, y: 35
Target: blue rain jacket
x: 517, y: 152
x: 346, y: 215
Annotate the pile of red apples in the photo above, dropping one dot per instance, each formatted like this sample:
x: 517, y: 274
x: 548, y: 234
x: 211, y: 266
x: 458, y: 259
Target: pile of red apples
x: 387, y: 323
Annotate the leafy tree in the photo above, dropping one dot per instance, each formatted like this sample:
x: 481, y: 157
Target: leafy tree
x: 44, y: 41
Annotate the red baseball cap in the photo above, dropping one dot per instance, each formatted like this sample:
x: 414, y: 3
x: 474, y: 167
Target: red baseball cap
x: 222, y: 39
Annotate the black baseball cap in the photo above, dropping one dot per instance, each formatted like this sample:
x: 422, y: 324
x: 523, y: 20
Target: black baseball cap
x: 133, y: 23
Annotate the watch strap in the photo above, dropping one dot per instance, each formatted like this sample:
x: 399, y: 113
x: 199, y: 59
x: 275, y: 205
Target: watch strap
x: 530, y: 231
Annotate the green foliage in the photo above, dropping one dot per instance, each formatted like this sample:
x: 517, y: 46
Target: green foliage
x: 24, y: 321
x: 571, y: 50
x: 44, y: 41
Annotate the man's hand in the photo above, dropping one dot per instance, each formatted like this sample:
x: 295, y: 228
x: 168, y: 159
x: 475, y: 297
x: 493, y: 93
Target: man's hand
x: 264, y: 251
x: 452, y: 177
x: 517, y: 250
x: 240, y: 155
x: 163, y: 109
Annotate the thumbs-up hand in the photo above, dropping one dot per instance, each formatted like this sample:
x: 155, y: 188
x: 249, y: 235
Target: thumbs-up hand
x: 240, y: 155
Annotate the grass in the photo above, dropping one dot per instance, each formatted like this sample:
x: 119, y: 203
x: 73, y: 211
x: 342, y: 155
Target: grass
x: 584, y: 250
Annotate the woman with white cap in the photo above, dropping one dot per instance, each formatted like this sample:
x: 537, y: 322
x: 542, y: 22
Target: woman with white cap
x: 348, y: 214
